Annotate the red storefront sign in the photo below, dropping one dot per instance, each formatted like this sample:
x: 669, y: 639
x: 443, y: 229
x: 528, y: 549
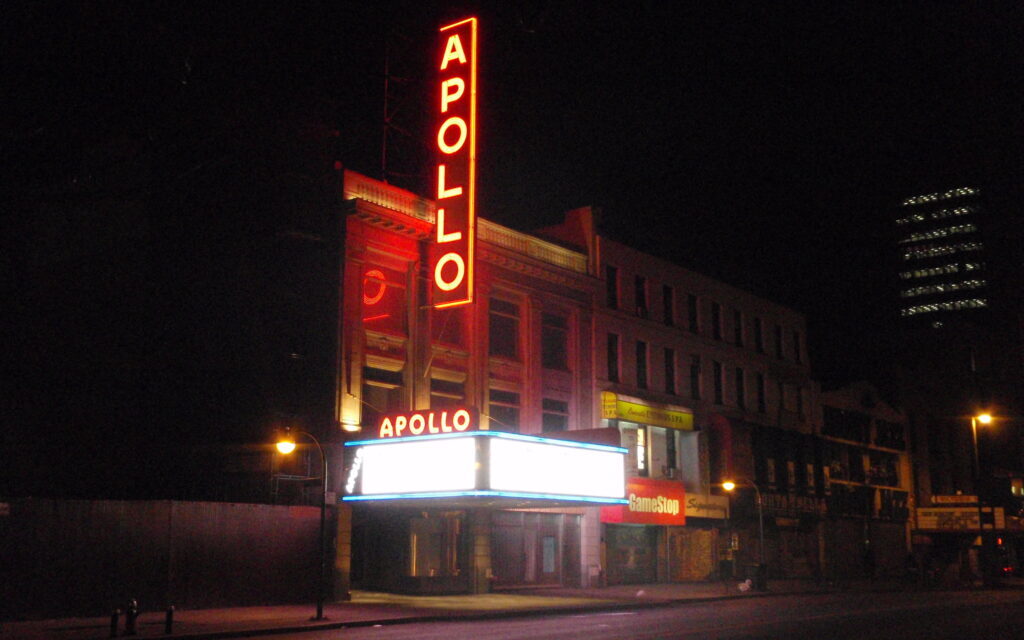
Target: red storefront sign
x: 451, y: 260
x: 650, y: 502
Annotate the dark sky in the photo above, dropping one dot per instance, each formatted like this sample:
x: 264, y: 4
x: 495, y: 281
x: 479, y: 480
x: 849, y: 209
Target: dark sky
x: 160, y: 157
x: 764, y: 143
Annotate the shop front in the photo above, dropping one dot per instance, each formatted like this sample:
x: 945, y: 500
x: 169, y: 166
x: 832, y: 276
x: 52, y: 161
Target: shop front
x: 638, y: 535
x: 465, y: 510
x: 696, y: 548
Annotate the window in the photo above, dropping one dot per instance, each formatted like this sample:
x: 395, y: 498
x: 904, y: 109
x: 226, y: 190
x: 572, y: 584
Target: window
x: 555, y: 415
x: 641, y: 364
x: 778, y: 342
x: 848, y: 425
x: 800, y: 401
x: 695, y: 377
x: 670, y: 371
x: 758, y: 335
x: 641, y: 451
x: 741, y: 389
x: 716, y: 368
x: 668, y: 303
x: 504, y: 411
x: 796, y: 346
x: 611, y: 277
x: 553, y: 339
x: 448, y: 326
x: 382, y: 393
x: 692, y: 314
x: 670, y: 449
x: 640, y: 294
x: 613, y: 357
x: 761, y: 393
x: 716, y: 321
x: 737, y: 327
x: 504, y: 329
x: 444, y: 393
x: 889, y: 434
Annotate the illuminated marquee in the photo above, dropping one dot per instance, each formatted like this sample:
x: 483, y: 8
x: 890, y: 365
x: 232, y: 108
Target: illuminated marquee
x: 454, y: 243
x: 485, y: 465
x: 427, y: 422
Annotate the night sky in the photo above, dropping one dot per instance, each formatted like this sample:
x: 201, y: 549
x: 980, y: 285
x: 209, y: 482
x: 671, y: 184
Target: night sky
x: 170, y: 180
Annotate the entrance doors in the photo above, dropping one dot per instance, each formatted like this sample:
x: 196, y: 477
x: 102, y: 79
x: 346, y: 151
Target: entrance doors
x: 534, y: 548
x: 632, y: 553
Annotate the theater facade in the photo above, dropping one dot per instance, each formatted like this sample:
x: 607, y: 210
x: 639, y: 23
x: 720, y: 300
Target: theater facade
x: 473, y: 458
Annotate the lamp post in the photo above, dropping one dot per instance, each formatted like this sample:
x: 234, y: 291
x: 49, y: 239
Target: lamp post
x: 286, y: 445
x: 729, y: 485
x: 981, y: 418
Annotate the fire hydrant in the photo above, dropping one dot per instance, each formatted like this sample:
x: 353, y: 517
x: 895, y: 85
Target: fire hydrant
x: 131, y: 613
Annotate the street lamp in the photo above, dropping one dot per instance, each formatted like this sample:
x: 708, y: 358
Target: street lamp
x: 729, y: 485
x: 286, y: 445
x: 981, y: 418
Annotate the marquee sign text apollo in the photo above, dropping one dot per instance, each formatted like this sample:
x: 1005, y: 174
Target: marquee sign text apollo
x: 451, y: 261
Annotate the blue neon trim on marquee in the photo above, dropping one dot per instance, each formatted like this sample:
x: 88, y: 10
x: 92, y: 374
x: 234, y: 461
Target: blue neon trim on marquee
x: 492, y: 434
x: 484, y: 494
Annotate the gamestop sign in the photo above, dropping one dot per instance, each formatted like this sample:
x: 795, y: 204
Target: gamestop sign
x: 451, y: 261
x: 650, y: 502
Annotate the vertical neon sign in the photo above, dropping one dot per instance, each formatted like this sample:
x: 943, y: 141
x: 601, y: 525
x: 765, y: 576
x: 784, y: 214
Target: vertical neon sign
x: 452, y: 258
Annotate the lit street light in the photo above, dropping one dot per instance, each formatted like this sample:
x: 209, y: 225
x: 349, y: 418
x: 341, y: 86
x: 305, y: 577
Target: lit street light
x: 729, y: 485
x: 981, y: 418
x: 286, y: 445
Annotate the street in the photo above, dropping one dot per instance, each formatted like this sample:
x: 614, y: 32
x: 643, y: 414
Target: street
x: 980, y: 614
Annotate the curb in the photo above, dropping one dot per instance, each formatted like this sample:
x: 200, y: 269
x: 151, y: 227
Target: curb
x: 487, y: 615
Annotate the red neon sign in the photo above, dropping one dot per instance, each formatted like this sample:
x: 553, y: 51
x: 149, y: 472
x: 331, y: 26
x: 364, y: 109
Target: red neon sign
x: 454, y: 243
x: 430, y: 421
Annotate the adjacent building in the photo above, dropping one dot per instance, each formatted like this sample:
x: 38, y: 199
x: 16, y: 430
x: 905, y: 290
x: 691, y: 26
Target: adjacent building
x: 867, y: 461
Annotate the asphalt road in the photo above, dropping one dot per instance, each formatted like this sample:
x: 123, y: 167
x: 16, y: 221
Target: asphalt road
x: 959, y: 615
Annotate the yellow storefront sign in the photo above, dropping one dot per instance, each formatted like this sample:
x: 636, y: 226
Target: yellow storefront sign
x: 614, y: 407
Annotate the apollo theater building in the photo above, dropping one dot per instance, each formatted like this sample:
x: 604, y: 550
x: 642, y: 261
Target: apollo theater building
x: 542, y: 409
x: 465, y: 383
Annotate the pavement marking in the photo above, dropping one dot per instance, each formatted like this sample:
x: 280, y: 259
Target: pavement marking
x: 610, y: 613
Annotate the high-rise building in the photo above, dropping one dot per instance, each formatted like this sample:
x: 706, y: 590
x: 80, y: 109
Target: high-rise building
x: 958, y: 274
x: 942, y: 266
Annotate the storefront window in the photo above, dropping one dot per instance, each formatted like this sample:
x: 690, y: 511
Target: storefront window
x: 548, y: 551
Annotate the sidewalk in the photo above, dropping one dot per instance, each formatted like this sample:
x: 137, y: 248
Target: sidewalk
x: 370, y: 608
